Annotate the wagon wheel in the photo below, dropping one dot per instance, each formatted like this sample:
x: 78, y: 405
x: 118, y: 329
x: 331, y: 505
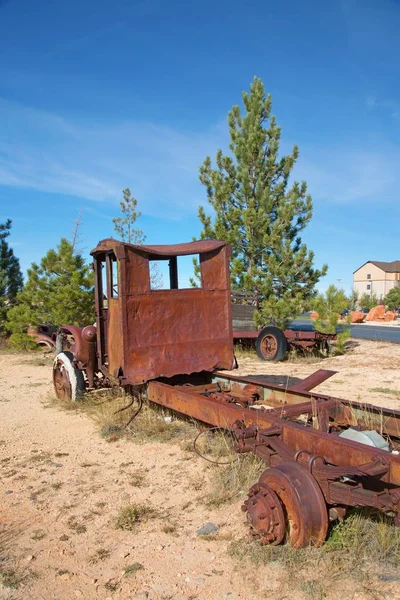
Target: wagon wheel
x: 271, y: 344
x: 68, y: 380
x: 287, y: 502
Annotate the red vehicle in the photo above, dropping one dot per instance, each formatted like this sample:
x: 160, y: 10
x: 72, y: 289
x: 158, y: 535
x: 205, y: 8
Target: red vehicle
x: 174, y: 347
x: 272, y: 343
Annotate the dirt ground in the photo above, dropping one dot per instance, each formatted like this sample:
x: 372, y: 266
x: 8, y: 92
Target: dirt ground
x: 62, y: 486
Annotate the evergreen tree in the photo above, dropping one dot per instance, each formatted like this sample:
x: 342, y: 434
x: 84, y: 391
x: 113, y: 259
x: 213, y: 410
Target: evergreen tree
x: 368, y: 301
x: 329, y: 307
x: 354, y: 299
x: 124, y: 225
x: 260, y: 213
x: 392, y: 299
x: 58, y: 291
x: 10, y: 275
x: 124, y: 228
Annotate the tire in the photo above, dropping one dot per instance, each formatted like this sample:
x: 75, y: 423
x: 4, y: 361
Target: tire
x: 271, y: 344
x: 68, y: 380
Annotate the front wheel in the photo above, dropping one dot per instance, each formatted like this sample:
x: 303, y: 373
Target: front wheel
x: 271, y: 344
x: 68, y: 380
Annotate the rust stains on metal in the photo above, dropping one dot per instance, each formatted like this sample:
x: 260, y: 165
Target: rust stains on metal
x: 175, y: 342
x: 144, y: 334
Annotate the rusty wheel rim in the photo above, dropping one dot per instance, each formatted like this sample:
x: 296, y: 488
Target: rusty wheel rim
x: 268, y: 346
x: 61, y: 380
x: 265, y: 515
x: 303, y: 503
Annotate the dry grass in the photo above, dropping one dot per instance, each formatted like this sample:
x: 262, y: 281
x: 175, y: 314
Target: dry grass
x: 99, y: 555
x: 131, y: 515
x: 361, y: 552
x: 382, y: 390
x: 134, y: 568
x: 75, y: 525
x: 231, y: 482
x: 38, y: 535
x: 151, y: 424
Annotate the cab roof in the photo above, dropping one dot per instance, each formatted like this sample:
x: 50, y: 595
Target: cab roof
x: 184, y: 249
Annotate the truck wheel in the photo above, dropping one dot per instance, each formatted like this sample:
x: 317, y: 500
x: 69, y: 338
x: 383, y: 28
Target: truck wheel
x: 68, y: 380
x: 271, y: 344
x: 288, y: 502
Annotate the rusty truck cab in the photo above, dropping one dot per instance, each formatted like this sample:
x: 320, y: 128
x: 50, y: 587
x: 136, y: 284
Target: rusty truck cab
x: 145, y: 333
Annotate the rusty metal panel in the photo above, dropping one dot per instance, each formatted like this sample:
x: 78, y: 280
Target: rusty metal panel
x: 115, y: 348
x: 137, y: 273
x: 171, y: 332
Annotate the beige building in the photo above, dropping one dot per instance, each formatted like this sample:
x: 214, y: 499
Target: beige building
x: 377, y: 278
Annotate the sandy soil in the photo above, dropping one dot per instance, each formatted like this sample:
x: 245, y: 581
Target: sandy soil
x: 62, y: 486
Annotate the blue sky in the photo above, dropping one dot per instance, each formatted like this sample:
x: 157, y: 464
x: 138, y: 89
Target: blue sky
x: 99, y: 96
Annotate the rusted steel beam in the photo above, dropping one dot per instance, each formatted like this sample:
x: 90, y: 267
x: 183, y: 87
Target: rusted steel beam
x: 335, y: 450
x: 347, y: 412
x: 313, y: 380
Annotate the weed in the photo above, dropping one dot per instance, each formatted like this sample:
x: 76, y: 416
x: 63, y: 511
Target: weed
x: 56, y: 486
x: 13, y: 577
x: 137, y: 479
x: 212, y: 537
x: 382, y: 390
x: 314, y: 589
x: 38, y: 534
x: 100, y: 554
x: 245, y: 349
x: 150, y: 424
x: 61, y: 454
x: 88, y: 464
x: 41, y: 457
x: 74, y: 524
x: 169, y: 528
x: 111, y: 586
x: 364, y: 537
x: 129, y: 516
x: 41, y: 361
x: 132, y: 569
x: 229, y: 482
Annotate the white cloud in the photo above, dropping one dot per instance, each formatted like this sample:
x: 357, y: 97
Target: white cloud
x: 96, y: 161
x: 346, y: 174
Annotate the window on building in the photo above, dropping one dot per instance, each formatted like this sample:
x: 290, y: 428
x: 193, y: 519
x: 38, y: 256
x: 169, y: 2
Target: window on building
x: 369, y: 276
x: 368, y: 286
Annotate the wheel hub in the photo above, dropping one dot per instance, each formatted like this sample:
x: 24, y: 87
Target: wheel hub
x: 62, y: 383
x: 269, y: 346
x: 265, y: 514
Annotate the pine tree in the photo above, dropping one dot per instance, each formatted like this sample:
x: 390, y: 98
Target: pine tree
x: 329, y: 307
x: 392, y: 299
x: 261, y: 213
x: 368, y: 301
x: 10, y: 275
x: 58, y: 291
x: 124, y: 228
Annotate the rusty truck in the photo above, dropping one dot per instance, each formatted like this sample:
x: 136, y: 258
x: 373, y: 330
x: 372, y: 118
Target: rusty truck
x: 322, y: 454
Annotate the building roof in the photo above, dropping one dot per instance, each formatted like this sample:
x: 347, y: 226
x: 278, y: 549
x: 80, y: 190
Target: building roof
x: 387, y: 267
